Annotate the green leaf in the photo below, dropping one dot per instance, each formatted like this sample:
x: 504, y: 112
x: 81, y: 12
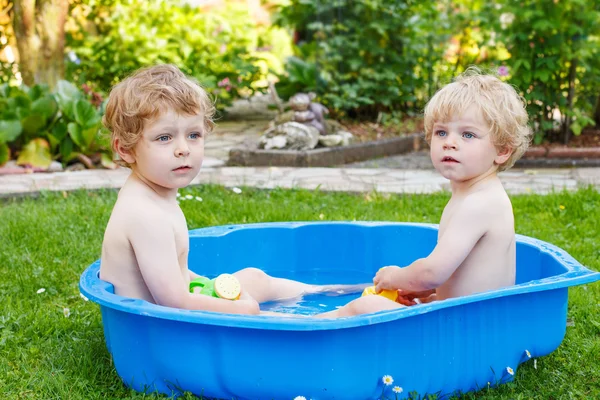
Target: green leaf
x: 89, y: 135
x: 45, y: 106
x: 59, y: 131
x: 4, y: 153
x: 35, y: 153
x: 33, y: 124
x: 66, y: 150
x: 53, y: 141
x: 67, y: 91
x: 576, y: 128
x: 10, y: 130
x: 20, y: 100
x: 37, y: 91
x: 107, y: 161
x: 76, y: 133
x: 85, y: 114
x: 66, y: 96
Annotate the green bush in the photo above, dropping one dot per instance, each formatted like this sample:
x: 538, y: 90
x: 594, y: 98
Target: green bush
x: 222, y: 48
x: 366, y: 52
x: 40, y: 126
x: 554, y: 53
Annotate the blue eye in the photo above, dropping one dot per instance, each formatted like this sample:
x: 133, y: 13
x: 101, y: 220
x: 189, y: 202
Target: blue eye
x: 468, y: 135
x: 195, y: 135
x: 440, y: 133
x: 163, y: 138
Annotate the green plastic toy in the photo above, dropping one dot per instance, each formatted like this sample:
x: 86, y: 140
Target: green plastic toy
x: 224, y: 286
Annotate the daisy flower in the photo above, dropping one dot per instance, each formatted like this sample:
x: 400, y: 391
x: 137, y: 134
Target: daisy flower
x: 528, y: 353
x: 40, y: 290
x: 510, y: 370
x: 236, y: 190
x: 397, y: 389
x: 387, y: 380
x: 299, y: 398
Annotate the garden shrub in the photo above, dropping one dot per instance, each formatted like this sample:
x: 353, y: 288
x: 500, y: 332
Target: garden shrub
x: 222, y: 48
x: 40, y: 126
x: 554, y: 51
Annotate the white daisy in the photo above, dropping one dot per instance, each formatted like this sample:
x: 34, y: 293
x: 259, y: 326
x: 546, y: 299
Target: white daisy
x: 387, y: 380
x: 198, y: 198
x: 299, y: 398
x: 40, y: 290
x: 189, y: 196
x: 397, y: 389
x: 510, y: 370
x: 528, y: 353
x: 66, y: 312
x: 236, y: 190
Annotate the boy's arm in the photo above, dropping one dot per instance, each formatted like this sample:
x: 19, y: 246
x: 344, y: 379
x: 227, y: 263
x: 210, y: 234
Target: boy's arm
x: 153, y: 242
x: 461, y: 234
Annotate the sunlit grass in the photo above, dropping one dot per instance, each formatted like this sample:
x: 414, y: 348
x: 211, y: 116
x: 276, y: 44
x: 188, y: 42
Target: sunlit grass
x: 52, y: 344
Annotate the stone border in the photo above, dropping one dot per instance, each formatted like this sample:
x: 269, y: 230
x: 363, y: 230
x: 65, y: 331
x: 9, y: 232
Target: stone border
x: 326, y: 156
x: 560, y: 157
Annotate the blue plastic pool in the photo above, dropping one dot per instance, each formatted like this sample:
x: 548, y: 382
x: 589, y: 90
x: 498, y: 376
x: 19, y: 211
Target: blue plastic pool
x: 443, y: 347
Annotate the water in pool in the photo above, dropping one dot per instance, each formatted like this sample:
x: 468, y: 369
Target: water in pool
x: 310, y: 304
x: 318, y: 303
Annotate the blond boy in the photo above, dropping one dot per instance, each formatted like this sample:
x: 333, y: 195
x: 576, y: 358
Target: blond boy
x: 476, y: 127
x: 158, y: 120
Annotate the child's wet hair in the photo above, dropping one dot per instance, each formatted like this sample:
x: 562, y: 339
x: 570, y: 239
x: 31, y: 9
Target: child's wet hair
x: 145, y: 95
x: 500, y: 104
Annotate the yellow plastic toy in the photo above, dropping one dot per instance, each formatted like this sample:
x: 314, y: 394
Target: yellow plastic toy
x: 390, y: 294
x: 224, y: 286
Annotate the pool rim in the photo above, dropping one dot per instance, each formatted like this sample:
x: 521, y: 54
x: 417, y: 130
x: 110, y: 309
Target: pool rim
x: 96, y: 290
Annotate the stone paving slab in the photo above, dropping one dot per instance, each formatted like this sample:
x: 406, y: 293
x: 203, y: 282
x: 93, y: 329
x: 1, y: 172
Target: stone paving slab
x: 326, y: 179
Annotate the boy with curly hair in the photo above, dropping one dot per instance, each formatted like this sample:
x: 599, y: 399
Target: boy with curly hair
x: 476, y: 127
x: 158, y: 119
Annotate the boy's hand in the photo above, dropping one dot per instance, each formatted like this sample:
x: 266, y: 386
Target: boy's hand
x: 407, y: 298
x: 384, y: 279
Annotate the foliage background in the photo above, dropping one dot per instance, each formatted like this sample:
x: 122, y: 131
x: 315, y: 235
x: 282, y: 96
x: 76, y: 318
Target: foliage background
x: 373, y: 60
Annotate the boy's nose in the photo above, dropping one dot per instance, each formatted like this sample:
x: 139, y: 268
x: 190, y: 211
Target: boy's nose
x: 182, y: 150
x: 450, y: 143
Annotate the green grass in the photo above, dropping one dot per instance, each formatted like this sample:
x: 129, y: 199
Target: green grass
x: 49, y: 240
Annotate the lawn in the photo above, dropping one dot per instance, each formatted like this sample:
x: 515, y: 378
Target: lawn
x: 51, y: 341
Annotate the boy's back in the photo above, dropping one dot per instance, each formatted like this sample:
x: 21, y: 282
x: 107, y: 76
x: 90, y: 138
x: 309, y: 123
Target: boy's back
x: 136, y: 207
x: 490, y: 264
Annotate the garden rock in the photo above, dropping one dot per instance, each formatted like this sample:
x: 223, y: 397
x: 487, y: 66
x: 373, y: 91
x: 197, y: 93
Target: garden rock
x: 341, y: 138
x: 296, y: 135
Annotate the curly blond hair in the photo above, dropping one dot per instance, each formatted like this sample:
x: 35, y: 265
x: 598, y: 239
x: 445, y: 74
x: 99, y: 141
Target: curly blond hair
x: 143, y: 96
x: 500, y: 104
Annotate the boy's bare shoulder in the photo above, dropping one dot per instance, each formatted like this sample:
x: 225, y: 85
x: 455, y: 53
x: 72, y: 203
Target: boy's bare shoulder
x: 138, y: 210
x: 489, y: 199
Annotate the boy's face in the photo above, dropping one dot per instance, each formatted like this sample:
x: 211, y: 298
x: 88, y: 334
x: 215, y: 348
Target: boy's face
x: 170, y: 151
x: 462, y: 148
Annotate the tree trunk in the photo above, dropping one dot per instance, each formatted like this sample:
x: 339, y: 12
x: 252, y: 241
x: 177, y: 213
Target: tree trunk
x: 40, y: 31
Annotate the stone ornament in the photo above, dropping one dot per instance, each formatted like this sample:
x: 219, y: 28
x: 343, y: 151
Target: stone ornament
x: 304, y: 127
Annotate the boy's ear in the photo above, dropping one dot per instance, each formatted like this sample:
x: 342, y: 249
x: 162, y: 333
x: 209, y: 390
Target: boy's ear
x: 125, y: 154
x: 504, y: 154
